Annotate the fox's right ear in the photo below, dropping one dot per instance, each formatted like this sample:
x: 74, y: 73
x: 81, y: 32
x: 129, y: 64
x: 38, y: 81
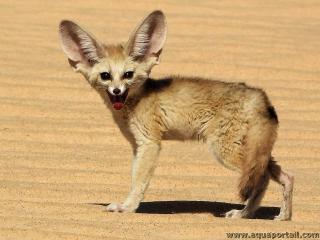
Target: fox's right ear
x: 78, y: 45
x: 149, y: 37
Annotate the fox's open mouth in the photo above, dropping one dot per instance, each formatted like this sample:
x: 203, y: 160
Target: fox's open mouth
x: 118, y: 100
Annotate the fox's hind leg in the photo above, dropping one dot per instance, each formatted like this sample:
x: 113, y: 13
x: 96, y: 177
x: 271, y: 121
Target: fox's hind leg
x: 246, y: 148
x: 254, y: 174
x: 286, y: 180
x: 253, y: 201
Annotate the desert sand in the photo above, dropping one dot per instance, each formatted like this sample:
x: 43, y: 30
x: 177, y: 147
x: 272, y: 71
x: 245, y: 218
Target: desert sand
x: 62, y: 159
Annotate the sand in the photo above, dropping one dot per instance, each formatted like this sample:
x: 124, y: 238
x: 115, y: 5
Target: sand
x: 62, y: 159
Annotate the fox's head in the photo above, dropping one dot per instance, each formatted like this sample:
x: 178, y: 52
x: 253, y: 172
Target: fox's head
x: 117, y: 69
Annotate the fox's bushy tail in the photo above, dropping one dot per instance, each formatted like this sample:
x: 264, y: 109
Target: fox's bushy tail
x: 259, y: 145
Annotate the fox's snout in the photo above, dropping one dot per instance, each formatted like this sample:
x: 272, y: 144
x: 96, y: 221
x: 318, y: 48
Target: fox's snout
x: 116, y: 90
x: 117, y: 96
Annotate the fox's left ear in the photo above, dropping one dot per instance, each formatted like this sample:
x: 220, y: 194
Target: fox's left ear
x: 79, y: 45
x: 149, y: 37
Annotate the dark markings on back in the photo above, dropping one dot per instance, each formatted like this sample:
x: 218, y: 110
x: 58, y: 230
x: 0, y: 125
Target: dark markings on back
x: 151, y: 85
x: 272, y: 113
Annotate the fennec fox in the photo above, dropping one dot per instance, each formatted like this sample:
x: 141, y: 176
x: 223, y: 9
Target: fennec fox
x: 237, y: 122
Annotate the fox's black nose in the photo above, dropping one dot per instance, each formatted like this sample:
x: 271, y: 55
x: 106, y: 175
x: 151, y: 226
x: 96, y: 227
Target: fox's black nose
x: 116, y: 91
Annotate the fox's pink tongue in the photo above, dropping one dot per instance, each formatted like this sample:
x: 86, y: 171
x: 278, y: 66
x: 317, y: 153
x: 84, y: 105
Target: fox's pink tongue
x: 117, y: 105
x: 118, y: 101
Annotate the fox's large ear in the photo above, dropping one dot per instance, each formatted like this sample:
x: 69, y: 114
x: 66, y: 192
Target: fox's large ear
x: 78, y: 45
x: 149, y: 37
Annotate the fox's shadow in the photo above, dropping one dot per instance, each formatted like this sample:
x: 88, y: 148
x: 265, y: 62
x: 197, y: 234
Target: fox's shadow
x: 218, y: 209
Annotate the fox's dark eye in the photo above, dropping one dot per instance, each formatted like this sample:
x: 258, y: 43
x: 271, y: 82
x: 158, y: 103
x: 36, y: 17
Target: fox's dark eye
x: 128, y: 74
x: 105, y: 76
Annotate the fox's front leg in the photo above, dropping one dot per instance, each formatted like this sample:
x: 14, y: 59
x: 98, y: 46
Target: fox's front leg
x: 143, y: 167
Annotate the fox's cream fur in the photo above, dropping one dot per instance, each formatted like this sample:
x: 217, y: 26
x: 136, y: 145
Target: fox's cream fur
x: 237, y: 122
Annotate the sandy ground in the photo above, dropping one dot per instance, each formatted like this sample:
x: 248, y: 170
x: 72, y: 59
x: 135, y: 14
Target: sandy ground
x: 62, y: 159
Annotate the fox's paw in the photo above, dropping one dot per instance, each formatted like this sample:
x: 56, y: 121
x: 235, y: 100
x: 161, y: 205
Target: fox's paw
x: 282, y: 217
x: 119, y: 207
x: 234, y: 213
x: 115, y: 207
